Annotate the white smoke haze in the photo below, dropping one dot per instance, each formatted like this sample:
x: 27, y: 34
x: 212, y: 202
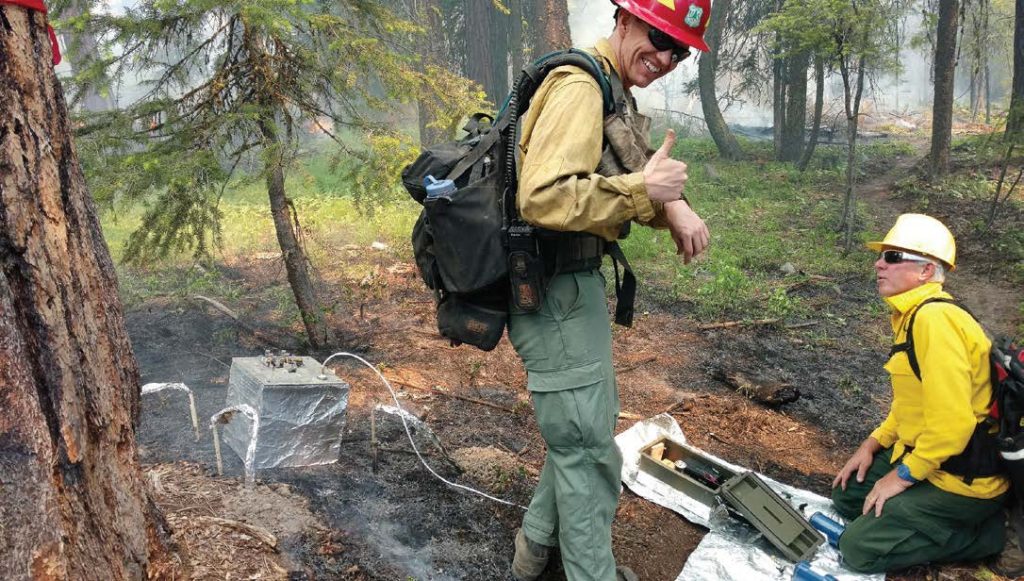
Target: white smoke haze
x: 904, y: 97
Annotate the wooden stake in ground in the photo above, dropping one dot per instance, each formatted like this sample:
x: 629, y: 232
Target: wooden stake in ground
x: 75, y: 503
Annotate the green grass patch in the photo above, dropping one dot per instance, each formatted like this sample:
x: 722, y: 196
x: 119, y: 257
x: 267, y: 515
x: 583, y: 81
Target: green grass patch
x: 328, y: 213
x: 761, y: 214
x: 331, y: 222
x: 140, y: 284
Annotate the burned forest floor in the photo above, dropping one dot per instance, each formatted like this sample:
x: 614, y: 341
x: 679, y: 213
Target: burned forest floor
x: 380, y: 515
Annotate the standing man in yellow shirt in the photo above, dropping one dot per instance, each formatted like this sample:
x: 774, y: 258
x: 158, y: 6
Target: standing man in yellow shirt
x: 583, y: 177
x: 925, y: 486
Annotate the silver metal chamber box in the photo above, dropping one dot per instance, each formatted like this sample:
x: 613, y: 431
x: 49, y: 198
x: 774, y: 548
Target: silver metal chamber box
x: 301, y: 416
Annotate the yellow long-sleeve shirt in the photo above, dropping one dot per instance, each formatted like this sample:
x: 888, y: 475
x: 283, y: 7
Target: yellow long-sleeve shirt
x: 937, y: 414
x: 561, y: 139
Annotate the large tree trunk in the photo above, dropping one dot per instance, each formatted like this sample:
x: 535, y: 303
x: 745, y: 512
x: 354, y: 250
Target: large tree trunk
x: 75, y: 502
x: 286, y: 226
x: 518, y: 51
x: 976, y: 18
x: 433, y: 54
x: 852, y: 93
x: 819, y: 98
x: 501, y: 27
x: 551, y: 19
x: 728, y: 147
x: 945, y: 66
x: 778, y: 90
x: 486, y: 35
x: 1015, y: 122
x: 478, y: 50
x: 778, y: 99
x: 795, y: 76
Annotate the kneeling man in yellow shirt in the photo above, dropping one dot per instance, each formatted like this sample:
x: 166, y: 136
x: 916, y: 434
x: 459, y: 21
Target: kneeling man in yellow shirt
x: 925, y: 486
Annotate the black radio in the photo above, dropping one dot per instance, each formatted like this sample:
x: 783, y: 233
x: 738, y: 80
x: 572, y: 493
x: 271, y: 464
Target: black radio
x: 525, y: 269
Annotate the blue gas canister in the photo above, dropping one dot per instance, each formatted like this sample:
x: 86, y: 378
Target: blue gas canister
x: 438, y: 188
x: 803, y: 572
x: 828, y: 527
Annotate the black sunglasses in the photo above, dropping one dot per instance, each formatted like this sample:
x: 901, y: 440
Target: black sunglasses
x: 898, y: 256
x: 661, y: 41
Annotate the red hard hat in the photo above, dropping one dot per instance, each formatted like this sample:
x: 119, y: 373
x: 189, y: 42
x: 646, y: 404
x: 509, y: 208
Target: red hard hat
x: 683, y: 20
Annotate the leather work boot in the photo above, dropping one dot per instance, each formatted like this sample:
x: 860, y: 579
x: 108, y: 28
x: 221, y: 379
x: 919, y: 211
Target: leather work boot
x: 623, y: 573
x: 530, y: 559
x: 1010, y: 562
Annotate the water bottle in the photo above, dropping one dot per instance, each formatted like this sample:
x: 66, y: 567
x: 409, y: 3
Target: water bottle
x: 828, y: 527
x: 438, y: 188
x: 803, y: 572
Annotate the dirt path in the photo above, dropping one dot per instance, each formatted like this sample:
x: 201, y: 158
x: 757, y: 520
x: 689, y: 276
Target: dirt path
x: 976, y: 281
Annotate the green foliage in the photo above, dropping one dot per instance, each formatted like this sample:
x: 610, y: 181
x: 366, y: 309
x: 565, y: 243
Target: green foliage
x: 226, y: 79
x: 761, y: 214
x: 332, y: 217
x: 841, y: 31
x: 725, y: 288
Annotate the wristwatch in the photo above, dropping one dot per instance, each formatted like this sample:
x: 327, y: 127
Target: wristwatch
x: 903, y: 471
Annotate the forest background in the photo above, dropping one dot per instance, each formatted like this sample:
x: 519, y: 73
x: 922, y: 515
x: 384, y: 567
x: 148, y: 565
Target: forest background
x: 243, y: 159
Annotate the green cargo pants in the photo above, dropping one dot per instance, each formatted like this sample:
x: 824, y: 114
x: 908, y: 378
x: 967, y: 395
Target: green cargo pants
x: 922, y: 524
x: 567, y: 350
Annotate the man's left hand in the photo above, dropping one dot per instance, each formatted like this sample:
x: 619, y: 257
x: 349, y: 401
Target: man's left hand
x: 887, y: 487
x: 688, y: 230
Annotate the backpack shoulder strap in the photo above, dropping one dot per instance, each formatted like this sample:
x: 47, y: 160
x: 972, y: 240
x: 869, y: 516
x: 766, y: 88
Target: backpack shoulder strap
x: 908, y: 344
x: 523, y: 89
x: 533, y: 74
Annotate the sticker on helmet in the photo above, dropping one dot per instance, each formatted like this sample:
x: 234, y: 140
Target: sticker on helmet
x: 670, y: 4
x: 693, y: 16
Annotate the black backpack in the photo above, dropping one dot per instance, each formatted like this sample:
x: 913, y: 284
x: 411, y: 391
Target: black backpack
x: 987, y: 454
x: 461, y: 238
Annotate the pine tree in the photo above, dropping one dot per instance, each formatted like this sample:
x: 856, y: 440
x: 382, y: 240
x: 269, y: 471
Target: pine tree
x: 228, y: 79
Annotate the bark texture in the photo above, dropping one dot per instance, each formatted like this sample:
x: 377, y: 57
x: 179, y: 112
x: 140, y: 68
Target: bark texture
x: 819, y: 99
x: 479, y: 61
x: 519, y: 52
x: 852, y: 93
x: 707, y: 68
x: 945, y: 66
x: 432, y: 51
x: 75, y: 504
x: 795, y: 119
x: 295, y: 262
x: 1015, y: 123
x: 552, y: 22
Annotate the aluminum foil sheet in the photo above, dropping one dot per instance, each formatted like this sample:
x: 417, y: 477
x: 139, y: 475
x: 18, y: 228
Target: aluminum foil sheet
x: 732, y: 549
x: 301, y: 415
x: 225, y: 416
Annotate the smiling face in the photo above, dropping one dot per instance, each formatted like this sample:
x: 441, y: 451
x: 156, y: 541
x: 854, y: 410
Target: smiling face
x: 641, y: 64
x: 894, y: 279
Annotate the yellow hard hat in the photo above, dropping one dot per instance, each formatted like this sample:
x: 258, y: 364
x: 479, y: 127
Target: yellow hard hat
x: 923, y: 235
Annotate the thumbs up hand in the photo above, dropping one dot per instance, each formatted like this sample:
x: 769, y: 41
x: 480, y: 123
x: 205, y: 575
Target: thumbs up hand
x: 665, y: 177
